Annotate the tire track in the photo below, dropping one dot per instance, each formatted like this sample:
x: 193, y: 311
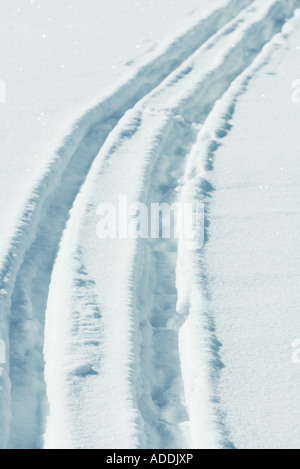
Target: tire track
x: 194, y: 300
x: 169, y: 117
x: 27, y: 269
x: 26, y: 298
x: 163, y: 404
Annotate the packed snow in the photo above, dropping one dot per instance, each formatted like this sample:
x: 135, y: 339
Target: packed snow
x: 140, y: 343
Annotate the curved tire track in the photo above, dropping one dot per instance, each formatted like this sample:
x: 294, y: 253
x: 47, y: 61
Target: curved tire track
x: 37, y: 243
x: 22, y: 308
x: 161, y: 130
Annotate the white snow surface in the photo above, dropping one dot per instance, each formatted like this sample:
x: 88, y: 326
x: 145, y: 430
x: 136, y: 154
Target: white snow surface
x: 60, y: 58
x: 141, y: 343
x: 254, y: 281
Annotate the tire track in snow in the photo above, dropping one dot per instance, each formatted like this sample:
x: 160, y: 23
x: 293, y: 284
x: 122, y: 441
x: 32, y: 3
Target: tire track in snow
x: 182, y: 101
x: 27, y: 268
x: 204, y: 342
x: 26, y: 299
x: 163, y: 404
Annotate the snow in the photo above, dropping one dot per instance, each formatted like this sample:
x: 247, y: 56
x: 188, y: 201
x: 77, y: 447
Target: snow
x: 254, y: 280
x: 41, y: 120
x: 143, y: 343
x: 59, y: 59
